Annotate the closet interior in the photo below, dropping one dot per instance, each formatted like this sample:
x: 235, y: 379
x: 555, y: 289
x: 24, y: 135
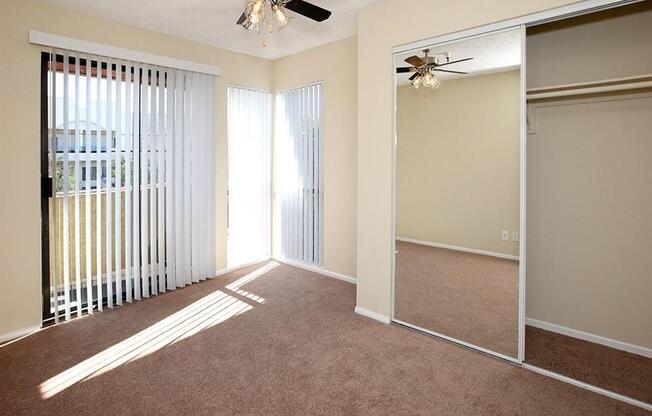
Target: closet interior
x: 589, y: 199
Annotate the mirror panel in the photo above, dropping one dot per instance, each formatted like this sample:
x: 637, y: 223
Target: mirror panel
x: 458, y: 190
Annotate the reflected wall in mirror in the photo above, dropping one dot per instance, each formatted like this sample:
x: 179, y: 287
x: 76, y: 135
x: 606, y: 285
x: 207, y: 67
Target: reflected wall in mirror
x: 457, y: 190
x: 589, y: 245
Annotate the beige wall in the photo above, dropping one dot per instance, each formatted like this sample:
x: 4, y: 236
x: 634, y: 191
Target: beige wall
x: 589, y: 262
x: 457, y: 162
x: 606, y: 45
x: 335, y: 65
x: 381, y: 26
x: 20, y: 255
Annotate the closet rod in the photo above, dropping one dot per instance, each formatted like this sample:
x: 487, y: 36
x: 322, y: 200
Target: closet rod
x: 594, y: 87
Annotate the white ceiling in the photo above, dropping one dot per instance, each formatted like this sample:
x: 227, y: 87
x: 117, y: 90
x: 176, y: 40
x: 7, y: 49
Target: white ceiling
x: 492, y: 53
x: 213, y: 22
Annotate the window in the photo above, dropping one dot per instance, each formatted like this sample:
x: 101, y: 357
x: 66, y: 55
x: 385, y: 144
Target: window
x: 249, y: 176
x: 299, y: 134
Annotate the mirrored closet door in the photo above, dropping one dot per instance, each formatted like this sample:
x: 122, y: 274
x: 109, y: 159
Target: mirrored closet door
x: 457, y: 193
x: 589, y: 205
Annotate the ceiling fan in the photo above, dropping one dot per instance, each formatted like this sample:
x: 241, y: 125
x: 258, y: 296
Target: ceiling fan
x: 255, y: 11
x: 425, y: 67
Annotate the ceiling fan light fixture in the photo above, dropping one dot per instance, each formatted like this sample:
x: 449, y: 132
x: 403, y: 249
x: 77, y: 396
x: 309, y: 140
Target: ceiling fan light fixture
x: 279, y: 13
x: 429, y: 80
x: 255, y: 13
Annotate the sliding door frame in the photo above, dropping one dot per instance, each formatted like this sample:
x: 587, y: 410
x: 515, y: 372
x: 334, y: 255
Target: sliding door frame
x: 560, y: 13
x: 47, y: 191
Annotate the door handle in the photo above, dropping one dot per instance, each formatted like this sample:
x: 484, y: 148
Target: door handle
x: 47, y: 187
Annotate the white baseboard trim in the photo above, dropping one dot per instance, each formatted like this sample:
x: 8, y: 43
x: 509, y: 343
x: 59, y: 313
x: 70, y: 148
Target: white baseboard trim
x: 371, y: 314
x: 316, y: 269
x: 240, y: 266
x: 597, y: 339
x: 13, y: 335
x: 589, y: 387
x: 458, y: 248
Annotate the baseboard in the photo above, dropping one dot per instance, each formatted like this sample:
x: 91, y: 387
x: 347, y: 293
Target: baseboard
x: 316, y: 269
x: 596, y: 339
x: 10, y: 336
x: 371, y: 314
x: 589, y: 387
x: 458, y: 248
x: 240, y: 266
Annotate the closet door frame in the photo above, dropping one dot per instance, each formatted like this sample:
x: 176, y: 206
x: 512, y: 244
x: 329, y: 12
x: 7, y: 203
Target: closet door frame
x: 523, y: 22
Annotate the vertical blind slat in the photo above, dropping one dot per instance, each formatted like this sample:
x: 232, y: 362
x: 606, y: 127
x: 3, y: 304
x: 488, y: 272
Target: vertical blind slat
x: 169, y: 183
x: 78, y: 288
x: 109, y: 185
x: 118, y: 183
x: 136, y: 184
x: 187, y: 172
x: 66, y: 187
x: 54, y: 275
x: 179, y: 189
x: 153, y: 158
x: 161, y: 182
x: 87, y: 194
x: 128, y: 185
x: 98, y: 189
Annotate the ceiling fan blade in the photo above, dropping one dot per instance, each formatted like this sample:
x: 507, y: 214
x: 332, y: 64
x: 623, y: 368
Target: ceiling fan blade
x: 454, y: 62
x: 416, y: 74
x: 403, y: 69
x: 415, y: 61
x: 241, y: 20
x: 451, y: 72
x: 308, y: 9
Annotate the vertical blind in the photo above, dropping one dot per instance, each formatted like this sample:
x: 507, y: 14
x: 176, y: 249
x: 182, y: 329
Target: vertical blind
x: 299, y: 133
x: 132, y: 156
x: 249, y: 175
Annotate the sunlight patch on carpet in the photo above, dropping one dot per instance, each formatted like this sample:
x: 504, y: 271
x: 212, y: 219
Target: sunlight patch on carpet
x: 198, y: 316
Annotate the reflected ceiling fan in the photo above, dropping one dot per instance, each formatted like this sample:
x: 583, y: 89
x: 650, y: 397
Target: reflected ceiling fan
x: 254, y: 15
x: 425, y: 67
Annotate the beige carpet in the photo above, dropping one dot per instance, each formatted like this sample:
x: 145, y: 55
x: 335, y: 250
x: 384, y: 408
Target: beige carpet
x: 619, y: 371
x: 291, y: 346
x: 470, y: 297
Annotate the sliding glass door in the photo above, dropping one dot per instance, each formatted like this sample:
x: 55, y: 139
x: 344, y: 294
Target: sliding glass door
x: 128, y: 157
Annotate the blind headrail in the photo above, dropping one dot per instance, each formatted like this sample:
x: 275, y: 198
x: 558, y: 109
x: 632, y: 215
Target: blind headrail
x: 78, y: 45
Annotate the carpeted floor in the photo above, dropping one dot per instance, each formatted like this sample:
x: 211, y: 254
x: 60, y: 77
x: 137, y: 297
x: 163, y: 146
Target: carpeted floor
x: 609, y: 368
x: 291, y: 346
x: 470, y: 297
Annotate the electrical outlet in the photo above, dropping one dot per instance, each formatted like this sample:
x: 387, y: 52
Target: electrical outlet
x: 505, y: 235
x: 515, y: 235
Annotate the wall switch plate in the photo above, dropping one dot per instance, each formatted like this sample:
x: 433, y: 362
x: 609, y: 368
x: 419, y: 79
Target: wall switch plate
x: 515, y: 235
x: 505, y: 235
